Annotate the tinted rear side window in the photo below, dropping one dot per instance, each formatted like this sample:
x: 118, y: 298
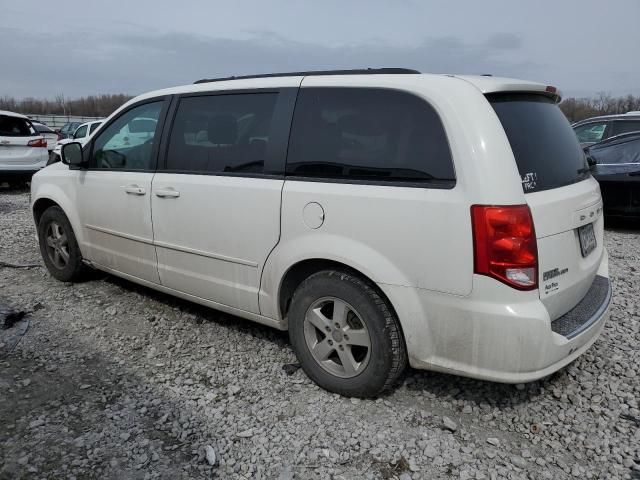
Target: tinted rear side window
x: 368, y: 134
x: 221, y: 133
x: 626, y: 126
x: 544, y: 145
x: 15, y: 127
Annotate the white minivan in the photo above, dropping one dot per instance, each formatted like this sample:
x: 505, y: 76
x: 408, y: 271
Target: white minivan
x: 382, y: 217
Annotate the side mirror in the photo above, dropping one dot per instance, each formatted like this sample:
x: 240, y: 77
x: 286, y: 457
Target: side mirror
x: 72, y: 154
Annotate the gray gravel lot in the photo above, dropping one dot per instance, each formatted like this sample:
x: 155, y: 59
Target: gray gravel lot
x: 116, y: 381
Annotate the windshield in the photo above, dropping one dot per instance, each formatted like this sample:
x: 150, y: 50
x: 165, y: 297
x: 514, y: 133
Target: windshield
x: 544, y: 145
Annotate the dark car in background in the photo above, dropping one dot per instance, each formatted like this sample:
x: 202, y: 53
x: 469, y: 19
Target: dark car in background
x: 67, y: 130
x: 597, y: 129
x: 616, y: 165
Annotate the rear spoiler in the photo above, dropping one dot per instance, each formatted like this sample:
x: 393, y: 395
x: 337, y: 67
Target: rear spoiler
x: 487, y: 84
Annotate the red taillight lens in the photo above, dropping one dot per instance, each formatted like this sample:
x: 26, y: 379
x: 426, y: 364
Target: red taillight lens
x: 39, y: 142
x: 504, y: 242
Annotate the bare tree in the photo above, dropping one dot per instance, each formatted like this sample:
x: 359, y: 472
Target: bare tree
x: 61, y: 102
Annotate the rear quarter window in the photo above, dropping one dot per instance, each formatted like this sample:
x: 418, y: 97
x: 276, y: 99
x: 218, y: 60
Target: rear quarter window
x: 544, y: 145
x: 368, y: 135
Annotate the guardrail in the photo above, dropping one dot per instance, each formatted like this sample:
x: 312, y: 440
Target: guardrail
x: 57, y: 121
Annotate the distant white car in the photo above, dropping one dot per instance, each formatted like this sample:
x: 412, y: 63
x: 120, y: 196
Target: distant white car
x: 82, y: 135
x: 49, y: 134
x: 23, y: 151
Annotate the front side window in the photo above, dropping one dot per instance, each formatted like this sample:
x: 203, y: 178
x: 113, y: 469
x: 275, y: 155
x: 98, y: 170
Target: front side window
x: 93, y: 127
x: 221, y: 133
x: 127, y: 143
x: 591, y: 132
x: 81, y: 132
x: 368, y: 134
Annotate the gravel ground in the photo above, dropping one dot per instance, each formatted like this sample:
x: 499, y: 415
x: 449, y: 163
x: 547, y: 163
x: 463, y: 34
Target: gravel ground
x: 113, y: 380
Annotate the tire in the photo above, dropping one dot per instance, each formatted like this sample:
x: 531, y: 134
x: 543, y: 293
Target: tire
x: 331, y: 316
x: 55, y: 233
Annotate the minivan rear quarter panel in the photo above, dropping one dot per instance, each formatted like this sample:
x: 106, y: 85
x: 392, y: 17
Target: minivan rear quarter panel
x: 407, y: 236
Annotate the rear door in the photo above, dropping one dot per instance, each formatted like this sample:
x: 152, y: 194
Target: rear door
x: 563, y: 197
x: 216, y: 202
x: 15, y: 152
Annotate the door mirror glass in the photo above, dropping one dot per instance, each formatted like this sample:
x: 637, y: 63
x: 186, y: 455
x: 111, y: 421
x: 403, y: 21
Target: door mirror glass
x: 72, y: 154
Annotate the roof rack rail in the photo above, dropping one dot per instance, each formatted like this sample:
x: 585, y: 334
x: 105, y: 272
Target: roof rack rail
x: 358, y: 71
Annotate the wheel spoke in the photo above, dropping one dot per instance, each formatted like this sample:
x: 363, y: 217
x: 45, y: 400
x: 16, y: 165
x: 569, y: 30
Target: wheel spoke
x: 357, y: 337
x: 339, y: 312
x: 348, y: 362
x: 63, y: 239
x: 322, y: 350
x: 56, y: 257
x: 64, y: 254
x: 55, y: 229
x: 318, y: 320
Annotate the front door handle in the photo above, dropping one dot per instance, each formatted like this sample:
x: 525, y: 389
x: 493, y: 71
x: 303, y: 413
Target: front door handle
x: 135, y: 190
x: 168, y: 193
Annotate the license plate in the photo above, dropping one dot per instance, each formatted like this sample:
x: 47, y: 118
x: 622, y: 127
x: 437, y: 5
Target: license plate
x: 587, y: 239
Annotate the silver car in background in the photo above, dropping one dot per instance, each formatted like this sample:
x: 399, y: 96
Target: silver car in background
x: 23, y: 151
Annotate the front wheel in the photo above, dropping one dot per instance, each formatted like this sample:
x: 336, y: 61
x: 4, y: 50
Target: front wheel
x: 58, y: 246
x: 346, y: 337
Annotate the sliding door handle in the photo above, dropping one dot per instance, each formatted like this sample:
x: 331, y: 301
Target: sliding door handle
x: 135, y: 190
x: 168, y: 193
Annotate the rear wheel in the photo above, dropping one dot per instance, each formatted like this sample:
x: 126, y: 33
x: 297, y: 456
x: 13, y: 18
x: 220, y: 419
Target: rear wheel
x: 59, y: 247
x: 345, y: 335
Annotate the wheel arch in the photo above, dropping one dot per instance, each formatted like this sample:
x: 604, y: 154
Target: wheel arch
x: 39, y: 207
x: 48, y: 195
x: 303, y: 269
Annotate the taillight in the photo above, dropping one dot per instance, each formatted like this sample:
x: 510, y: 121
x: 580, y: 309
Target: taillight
x: 504, y: 243
x: 39, y: 142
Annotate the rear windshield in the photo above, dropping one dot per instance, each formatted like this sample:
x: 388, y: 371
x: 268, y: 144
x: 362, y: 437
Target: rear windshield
x: 621, y: 152
x: 544, y: 145
x: 40, y: 128
x: 15, y: 127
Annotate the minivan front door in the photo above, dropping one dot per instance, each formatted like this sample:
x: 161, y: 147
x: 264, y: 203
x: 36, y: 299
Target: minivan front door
x: 113, y: 197
x: 216, y: 204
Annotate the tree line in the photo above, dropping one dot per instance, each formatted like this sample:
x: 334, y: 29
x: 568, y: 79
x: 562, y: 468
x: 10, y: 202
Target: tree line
x: 580, y: 108
x: 103, y: 105
x: 91, y: 106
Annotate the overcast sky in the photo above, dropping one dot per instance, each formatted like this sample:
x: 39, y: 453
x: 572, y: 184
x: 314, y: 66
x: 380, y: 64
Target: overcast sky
x: 130, y: 46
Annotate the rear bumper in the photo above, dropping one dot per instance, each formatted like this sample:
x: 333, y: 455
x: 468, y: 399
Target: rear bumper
x: 25, y: 166
x: 508, y: 339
